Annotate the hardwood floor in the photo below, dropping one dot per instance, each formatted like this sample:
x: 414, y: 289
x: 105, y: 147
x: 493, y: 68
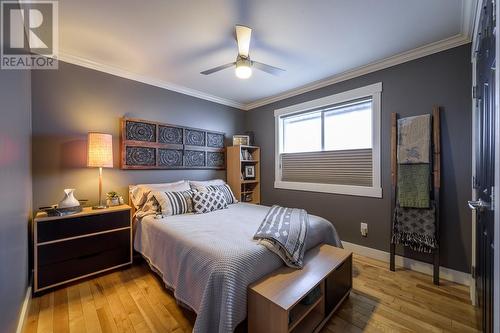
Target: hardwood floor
x: 134, y: 300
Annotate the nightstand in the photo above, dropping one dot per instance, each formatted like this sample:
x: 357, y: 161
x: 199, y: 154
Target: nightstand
x: 68, y: 248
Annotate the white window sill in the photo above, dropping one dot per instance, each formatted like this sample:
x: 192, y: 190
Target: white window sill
x: 362, y: 191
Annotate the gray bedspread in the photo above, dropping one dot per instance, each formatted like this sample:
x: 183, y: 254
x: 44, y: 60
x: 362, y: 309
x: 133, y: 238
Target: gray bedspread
x: 210, y: 259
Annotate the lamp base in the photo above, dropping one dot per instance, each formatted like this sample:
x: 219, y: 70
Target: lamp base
x: 100, y: 204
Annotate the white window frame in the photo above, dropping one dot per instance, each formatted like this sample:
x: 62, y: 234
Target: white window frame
x: 374, y: 91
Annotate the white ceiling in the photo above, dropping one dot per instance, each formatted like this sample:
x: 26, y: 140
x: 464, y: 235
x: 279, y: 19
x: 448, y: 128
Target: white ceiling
x: 168, y: 43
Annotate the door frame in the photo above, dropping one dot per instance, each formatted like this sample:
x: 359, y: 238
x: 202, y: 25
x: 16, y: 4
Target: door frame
x: 474, y: 46
x: 472, y: 285
x: 496, y: 200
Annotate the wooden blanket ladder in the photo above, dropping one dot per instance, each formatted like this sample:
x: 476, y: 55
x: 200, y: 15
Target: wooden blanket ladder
x: 436, y: 181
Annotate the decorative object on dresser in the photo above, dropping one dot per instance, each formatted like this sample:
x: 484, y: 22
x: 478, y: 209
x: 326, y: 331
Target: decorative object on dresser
x: 153, y: 145
x: 99, y: 155
x: 67, y: 206
x: 243, y: 140
x: 67, y: 248
x: 113, y: 199
x: 69, y: 200
x: 55, y: 211
x: 245, y: 190
x: 290, y: 300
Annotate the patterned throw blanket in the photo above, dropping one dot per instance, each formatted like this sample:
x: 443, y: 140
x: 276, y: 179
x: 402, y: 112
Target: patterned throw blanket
x: 283, y: 231
x: 414, y: 185
x: 414, y: 223
x: 414, y: 139
x: 415, y: 228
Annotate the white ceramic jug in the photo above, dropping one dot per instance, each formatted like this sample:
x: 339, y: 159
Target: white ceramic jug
x: 69, y: 199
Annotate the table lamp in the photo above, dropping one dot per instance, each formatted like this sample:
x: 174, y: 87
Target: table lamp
x: 99, y: 155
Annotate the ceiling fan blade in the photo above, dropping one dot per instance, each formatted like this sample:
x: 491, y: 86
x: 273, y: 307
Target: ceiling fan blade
x: 243, y: 36
x: 218, y: 68
x: 268, y: 68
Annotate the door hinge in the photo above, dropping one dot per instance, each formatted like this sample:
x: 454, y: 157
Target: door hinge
x: 494, y: 10
x: 492, y: 198
x: 475, y: 182
x: 473, y: 272
x: 474, y: 91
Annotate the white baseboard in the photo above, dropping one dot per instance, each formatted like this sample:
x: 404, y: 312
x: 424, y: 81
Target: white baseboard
x: 24, y: 311
x: 414, y: 265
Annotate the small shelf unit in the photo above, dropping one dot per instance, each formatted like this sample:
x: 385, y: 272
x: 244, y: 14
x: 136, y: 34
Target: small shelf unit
x: 245, y: 189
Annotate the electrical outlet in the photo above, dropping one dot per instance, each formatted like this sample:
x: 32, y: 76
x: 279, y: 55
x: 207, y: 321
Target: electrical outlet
x: 364, y: 229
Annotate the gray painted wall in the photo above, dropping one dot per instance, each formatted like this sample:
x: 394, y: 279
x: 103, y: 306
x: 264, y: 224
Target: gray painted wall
x: 410, y: 89
x: 15, y: 194
x: 73, y: 100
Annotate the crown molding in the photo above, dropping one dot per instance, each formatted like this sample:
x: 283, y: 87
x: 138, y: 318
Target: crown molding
x: 469, y: 9
x: 475, y: 23
x: 76, y: 60
x: 419, y: 52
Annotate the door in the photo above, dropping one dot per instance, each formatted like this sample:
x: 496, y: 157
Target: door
x: 485, y: 164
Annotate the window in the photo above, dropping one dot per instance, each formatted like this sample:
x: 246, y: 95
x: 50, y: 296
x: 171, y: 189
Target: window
x: 295, y: 126
x: 331, y: 144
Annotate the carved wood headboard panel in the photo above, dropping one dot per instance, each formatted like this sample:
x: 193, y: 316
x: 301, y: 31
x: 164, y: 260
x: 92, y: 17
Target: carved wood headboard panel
x: 152, y: 145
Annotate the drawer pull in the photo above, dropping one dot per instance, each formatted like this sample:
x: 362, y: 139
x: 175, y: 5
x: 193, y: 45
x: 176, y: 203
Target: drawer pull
x: 71, y: 227
x: 89, y: 255
x: 82, y: 236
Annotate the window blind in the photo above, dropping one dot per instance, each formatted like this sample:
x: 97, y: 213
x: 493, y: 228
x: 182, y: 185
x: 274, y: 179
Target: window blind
x: 342, y: 167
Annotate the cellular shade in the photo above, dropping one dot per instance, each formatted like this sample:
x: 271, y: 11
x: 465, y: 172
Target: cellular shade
x: 99, y: 150
x: 342, y: 167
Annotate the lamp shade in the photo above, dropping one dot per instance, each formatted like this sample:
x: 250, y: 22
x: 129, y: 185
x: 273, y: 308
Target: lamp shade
x: 100, y: 150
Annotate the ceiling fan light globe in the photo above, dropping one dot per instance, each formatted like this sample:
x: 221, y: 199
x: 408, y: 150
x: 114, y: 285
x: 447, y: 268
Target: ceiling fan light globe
x: 243, y: 72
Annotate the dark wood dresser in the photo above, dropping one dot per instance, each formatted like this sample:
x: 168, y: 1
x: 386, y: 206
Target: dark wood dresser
x: 67, y: 248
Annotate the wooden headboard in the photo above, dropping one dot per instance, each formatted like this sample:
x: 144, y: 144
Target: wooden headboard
x: 153, y: 145
x: 130, y: 203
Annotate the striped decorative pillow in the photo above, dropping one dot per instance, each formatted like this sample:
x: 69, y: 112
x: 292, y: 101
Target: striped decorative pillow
x: 228, y: 194
x: 175, y: 203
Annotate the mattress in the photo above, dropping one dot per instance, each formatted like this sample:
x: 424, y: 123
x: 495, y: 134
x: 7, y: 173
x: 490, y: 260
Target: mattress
x: 208, y: 260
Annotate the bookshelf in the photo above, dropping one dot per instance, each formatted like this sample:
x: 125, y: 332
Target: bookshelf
x: 244, y: 189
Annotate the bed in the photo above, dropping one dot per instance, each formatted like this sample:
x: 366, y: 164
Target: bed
x: 208, y: 260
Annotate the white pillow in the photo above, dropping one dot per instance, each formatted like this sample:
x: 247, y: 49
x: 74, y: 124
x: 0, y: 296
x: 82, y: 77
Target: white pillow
x: 150, y: 207
x: 139, y: 193
x: 201, y: 185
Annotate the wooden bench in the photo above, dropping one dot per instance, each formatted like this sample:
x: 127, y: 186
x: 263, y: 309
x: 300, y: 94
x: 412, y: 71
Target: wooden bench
x: 274, y: 302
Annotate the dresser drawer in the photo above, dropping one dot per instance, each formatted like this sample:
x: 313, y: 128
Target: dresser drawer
x: 66, y: 260
x: 77, y: 226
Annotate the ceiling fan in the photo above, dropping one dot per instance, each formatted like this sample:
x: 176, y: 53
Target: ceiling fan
x: 243, y: 62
